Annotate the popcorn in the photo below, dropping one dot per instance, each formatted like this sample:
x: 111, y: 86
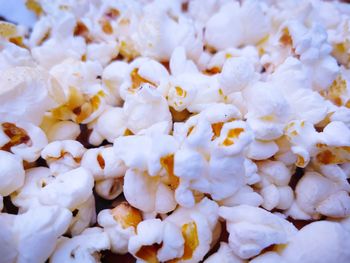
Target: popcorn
x: 185, y: 129
x: 326, y: 197
x: 146, y: 100
x: 63, y: 156
x: 236, y: 74
x: 32, y: 236
x: 268, y: 257
x: 109, y: 125
x: 197, y: 227
x: 63, y: 130
x: 11, y: 175
x: 22, y: 139
x: 268, y: 110
x: 69, y: 189
x: 248, y: 22
x: 159, y: 34
x: 148, y: 193
x: 27, y: 93
x: 142, y: 71
x: 330, y: 236
x: 224, y: 254
x: 14, y: 56
x: 252, y: 229
x: 120, y: 224
x: 85, y: 247
x: 156, y: 241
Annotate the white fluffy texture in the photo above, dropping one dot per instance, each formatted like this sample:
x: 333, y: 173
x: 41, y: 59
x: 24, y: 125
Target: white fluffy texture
x: 155, y: 231
x: 27, y: 93
x: 205, y: 216
x: 159, y: 34
x: 109, y: 125
x: 268, y: 257
x: 147, y: 193
x: 144, y: 152
x: 252, y: 229
x: 268, y: 110
x: 218, y: 98
x: 11, y: 173
x: 118, y: 236
x: 146, y: 101
x: 62, y: 156
x: 63, y: 130
x: 224, y: 255
x: 69, y: 190
x: 103, y: 163
x: 29, y: 150
x: 316, y: 194
x: 247, y: 22
x: 81, y: 248
x: 236, y: 74
x: 330, y: 236
x: 32, y: 236
x: 113, y: 76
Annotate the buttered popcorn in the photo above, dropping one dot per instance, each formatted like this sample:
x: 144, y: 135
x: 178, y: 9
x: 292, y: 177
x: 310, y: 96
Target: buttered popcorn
x: 175, y: 131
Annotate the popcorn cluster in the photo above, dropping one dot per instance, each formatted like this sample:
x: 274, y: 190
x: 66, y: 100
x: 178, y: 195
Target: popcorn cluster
x: 215, y: 131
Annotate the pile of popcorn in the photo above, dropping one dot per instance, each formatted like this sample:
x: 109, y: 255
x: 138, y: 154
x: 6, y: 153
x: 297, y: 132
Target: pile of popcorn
x: 194, y: 119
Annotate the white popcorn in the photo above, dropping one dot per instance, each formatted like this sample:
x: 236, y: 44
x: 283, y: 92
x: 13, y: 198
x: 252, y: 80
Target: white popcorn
x: 303, y: 138
x: 197, y: 227
x: 62, y: 156
x: 82, y: 248
x: 316, y: 194
x: 120, y: 225
x: 157, y: 240
x: 102, y: 52
x: 23, y: 139
x: 275, y: 172
x: 140, y: 72
x: 159, y: 34
x: 85, y: 97
x: 109, y: 125
x: 113, y: 76
x: 280, y: 197
x: 84, y: 215
x: 330, y: 236
x: 145, y: 100
x: 27, y: 92
x: 268, y: 110
x: 103, y: 163
x: 195, y: 119
x: 268, y: 257
x: 247, y: 22
x: 261, y: 150
x: 224, y: 255
x: 32, y: 236
x: 70, y: 189
x: 252, y: 229
x: 13, y: 55
x: 236, y: 74
x: 63, y: 130
x: 244, y: 196
x: 148, y: 193
x: 11, y: 173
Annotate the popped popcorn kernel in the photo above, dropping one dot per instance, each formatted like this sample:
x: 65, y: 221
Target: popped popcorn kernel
x: 149, y: 253
x: 16, y: 134
x: 189, y: 232
x: 126, y: 215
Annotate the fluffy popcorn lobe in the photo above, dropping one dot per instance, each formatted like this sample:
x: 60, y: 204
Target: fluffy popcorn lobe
x: 175, y: 131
